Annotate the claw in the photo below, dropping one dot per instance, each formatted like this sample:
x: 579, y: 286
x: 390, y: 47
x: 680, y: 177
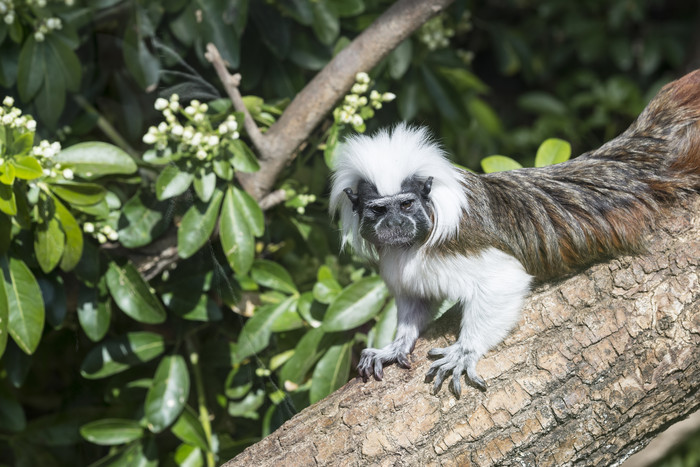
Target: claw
x: 403, y: 362
x: 378, y: 370
x: 456, y: 386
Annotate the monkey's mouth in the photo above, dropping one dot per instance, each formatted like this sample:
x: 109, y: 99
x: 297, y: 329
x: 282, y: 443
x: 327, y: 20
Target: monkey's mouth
x: 391, y: 237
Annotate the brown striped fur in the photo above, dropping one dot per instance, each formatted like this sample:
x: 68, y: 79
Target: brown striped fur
x: 559, y: 218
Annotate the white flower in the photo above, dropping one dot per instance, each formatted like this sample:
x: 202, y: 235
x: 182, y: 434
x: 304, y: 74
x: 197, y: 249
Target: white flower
x: 101, y: 238
x: 162, y: 127
x: 54, y: 23
x: 232, y: 125
x: 201, y: 154
x: 7, y: 119
x: 189, y: 110
x: 149, y: 138
x: 39, y: 36
x: 67, y: 174
x: 196, y: 139
x: 88, y: 227
x: 160, y: 104
x: 223, y: 129
x: 31, y: 125
x: 358, y: 88
x: 8, y: 101
x: 199, y: 118
x: 113, y: 236
x: 203, y: 108
x: 69, y: 2
x: 177, y: 130
x: 235, y: 135
x: 362, y: 77
x: 174, y: 97
x: 188, y: 133
x: 357, y: 120
x: 55, y: 147
x: 174, y: 105
x: 9, y: 18
x: 388, y: 96
x: 213, y: 140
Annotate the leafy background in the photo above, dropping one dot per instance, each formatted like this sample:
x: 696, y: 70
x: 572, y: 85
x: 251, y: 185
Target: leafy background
x: 109, y: 363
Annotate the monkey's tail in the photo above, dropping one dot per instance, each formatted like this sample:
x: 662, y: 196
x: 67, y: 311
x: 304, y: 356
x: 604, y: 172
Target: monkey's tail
x: 665, y: 139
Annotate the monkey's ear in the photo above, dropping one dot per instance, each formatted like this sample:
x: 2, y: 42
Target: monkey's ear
x: 427, y: 186
x: 354, y: 199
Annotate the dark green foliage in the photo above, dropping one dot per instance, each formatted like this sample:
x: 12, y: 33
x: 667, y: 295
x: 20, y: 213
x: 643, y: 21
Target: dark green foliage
x: 104, y: 358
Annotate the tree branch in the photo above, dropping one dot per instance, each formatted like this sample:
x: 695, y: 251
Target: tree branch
x: 309, y: 107
x: 600, y: 363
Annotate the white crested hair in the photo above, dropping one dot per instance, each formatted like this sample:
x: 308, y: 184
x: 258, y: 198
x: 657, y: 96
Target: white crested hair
x: 385, y: 160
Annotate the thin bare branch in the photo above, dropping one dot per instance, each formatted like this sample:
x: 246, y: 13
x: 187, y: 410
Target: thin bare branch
x: 231, y: 83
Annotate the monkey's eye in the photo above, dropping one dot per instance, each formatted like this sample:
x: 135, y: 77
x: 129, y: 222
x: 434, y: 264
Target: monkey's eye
x: 378, y: 210
x: 406, y: 205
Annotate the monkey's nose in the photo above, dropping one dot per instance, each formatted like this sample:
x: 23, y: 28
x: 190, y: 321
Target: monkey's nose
x: 394, y: 222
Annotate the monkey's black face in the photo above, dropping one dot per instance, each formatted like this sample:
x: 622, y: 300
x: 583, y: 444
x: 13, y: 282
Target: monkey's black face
x: 402, y: 219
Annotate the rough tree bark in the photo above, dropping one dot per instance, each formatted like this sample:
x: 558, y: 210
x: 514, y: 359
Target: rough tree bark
x: 599, y: 364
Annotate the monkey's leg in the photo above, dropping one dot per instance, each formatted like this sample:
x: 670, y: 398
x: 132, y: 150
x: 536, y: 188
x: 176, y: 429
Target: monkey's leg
x: 488, y: 314
x: 413, y: 315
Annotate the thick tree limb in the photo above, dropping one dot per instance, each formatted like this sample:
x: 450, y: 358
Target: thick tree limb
x: 600, y: 363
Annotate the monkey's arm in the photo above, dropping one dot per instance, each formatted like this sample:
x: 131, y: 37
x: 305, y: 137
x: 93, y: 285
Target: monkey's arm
x: 413, y: 315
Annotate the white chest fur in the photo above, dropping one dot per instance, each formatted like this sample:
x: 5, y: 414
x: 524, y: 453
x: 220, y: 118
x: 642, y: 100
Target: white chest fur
x: 454, y: 277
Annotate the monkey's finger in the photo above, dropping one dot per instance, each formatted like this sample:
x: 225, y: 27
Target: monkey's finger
x: 378, y: 370
x: 437, y: 352
x: 403, y: 362
x: 439, y: 378
x: 476, y: 380
x: 456, y: 385
x: 434, y: 368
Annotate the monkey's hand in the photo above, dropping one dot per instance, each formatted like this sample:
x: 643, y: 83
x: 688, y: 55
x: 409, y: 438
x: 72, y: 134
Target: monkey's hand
x: 456, y: 360
x: 372, y: 361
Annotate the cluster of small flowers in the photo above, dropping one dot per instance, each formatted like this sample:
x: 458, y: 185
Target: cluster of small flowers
x: 101, y: 233
x: 45, y: 152
x: 12, y: 117
x: 349, y: 111
x: 196, y: 136
x: 7, y: 10
x: 46, y: 26
x: 304, y: 200
x: 434, y: 34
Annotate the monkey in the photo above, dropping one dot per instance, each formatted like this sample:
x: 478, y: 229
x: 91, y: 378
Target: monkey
x: 438, y: 232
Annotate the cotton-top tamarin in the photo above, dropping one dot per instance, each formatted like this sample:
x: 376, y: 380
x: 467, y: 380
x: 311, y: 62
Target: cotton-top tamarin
x: 439, y: 232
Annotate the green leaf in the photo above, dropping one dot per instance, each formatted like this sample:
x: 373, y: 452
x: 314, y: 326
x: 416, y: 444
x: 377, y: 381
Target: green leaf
x: 172, y: 181
x: 400, y: 59
x: 243, y: 158
x: 25, y: 305
x: 197, y: 225
x: 493, y: 164
x: 192, y: 307
x: 383, y: 332
x: 49, y: 240
x: 249, y: 406
x: 94, y: 310
x: 273, y: 275
x: 256, y: 332
x: 52, y: 96
x: 249, y: 212
x: 356, y: 305
x: 12, y: 416
x: 111, y: 431
x: 21, y: 146
x: 331, y: 371
x: 189, y: 429
x: 485, y: 116
x: 30, y: 73
x: 236, y: 238
x: 73, y: 248
x: 79, y: 193
x: 543, y: 103
x: 552, y: 151
x: 345, y: 8
x: 204, y: 184
x: 142, y: 221
x: 8, y: 202
x: 143, y: 65
x: 168, y: 394
x: 309, y: 349
x: 27, y: 168
x: 64, y: 60
x: 94, y: 159
x: 132, y: 294
x: 326, y: 24
x: 219, y: 28
x: 4, y: 315
x: 121, y: 353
